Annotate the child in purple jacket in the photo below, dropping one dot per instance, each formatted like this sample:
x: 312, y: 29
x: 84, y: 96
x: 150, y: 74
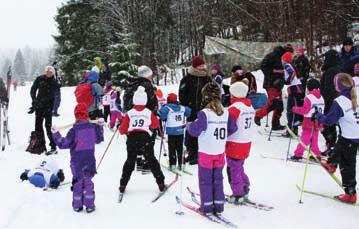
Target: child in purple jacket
x: 81, y: 140
x: 212, y: 126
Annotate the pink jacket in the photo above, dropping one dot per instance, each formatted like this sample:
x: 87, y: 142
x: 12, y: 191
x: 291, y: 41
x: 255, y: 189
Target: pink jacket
x: 307, y: 122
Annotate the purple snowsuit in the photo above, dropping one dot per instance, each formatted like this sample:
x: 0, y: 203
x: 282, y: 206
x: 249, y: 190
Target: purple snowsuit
x: 210, y: 168
x: 81, y: 140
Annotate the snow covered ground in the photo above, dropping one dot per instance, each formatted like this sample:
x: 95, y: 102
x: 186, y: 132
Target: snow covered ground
x: 272, y: 182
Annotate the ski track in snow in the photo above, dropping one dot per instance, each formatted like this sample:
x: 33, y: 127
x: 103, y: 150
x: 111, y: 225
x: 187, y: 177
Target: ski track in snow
x: 272, y: 182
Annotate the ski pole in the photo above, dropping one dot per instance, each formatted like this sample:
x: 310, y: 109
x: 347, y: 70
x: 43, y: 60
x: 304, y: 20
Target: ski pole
x: 107, y: 147
x: 334, y: 177
x: 267, y: 121
x: 306, y: 166
x: 290, y: 136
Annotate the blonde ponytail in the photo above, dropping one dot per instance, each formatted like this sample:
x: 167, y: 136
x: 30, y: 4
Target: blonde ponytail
x: 347, y: 81
x: 353, y: 95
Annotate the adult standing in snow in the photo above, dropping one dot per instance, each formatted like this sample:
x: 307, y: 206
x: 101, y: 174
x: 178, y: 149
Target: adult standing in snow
x: 105, y: 74
x: 273, y: 71
x: 190, y: 95
x: 348, y: 56
x: 144, y: 79
x: 42, y: 94
x: 97, y: 65
x: 302, y: 66
x: 57, y: 99
x: 330, y: 68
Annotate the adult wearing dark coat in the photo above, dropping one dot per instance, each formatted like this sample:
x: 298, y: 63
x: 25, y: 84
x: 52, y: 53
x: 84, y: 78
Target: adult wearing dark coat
x: 190, y: 95
x: 348, y: 56
x: 330, y: 68
x: 273, y: 71
x: 302, y: 66
x: 42, y: 94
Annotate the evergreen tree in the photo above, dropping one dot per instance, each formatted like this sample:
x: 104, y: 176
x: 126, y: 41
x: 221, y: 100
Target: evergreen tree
x: 19, y: 71
x: 5, y: 68
x: 82, y: 37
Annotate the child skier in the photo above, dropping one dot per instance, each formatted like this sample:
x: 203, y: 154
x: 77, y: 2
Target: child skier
x: 344, y: 111
x: 295, y: 92
x: 175, y: 116
x: 81, y: 140
x: 45, y: 174
x: 115, y: 108
x: 212, y: 126
x: 137, y: 125
x: 313, y: 102
x: 239, y: 143
x: 106, y: 100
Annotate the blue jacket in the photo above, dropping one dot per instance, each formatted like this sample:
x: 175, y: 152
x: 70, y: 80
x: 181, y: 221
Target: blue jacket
x: 348, y: 60
x: 163, y: 112
x: 334, y: 114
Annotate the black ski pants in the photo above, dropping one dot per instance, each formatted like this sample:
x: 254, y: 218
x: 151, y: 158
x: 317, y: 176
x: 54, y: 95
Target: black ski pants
x: 140, y: 142
x: 175, y: 149
x: 40, y: 116
x: 344, y: 154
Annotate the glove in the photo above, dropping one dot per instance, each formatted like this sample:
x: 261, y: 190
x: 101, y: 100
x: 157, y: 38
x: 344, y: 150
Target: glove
x: 60, y: 174
x: 101, y: 122
x: 23, y: 176
x: 53, y: 129
x: 31, y: 110
x: 55, y: 184
x: 294, y: 109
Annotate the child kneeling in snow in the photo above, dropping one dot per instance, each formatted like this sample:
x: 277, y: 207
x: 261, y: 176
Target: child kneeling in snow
x: 175, y: 116
x: 45, y: 174
x: 81, y: 140
x: 239, y: 143
x: 313, y: 102
x: 212, y: 127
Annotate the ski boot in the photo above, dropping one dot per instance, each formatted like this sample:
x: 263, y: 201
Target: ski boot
x: 314, y: 158
x: 236, y: 200
x: 162, y: 187
x: 89, y: 210
x: 78, y: 209
x: 329, y: 167
x: 296, y: 158
x: 348, y: 198
x: 257, y: 121
x: 51, y: 152
x: 277, y: 126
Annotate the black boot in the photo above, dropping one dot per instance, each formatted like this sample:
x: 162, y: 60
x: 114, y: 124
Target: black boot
x: 277, y: 126
x: 257, y: 121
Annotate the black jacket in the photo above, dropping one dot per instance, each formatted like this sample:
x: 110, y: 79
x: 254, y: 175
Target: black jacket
x: 42, y: 93
x: 3, y: 92
x: 134, y: 83
x: 189, y: 93
x: 270, y: 63
x: 348, y: 60
x: 302, y: 66
x: 330, y: 68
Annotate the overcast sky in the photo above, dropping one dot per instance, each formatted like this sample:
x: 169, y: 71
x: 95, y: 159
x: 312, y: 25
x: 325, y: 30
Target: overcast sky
x: 27, y: 22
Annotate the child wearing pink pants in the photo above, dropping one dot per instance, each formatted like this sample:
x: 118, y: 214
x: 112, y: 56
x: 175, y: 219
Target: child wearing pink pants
x: 313, y: 102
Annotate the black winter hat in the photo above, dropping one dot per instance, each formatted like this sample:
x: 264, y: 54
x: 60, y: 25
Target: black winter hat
x: 313, y: 84
x: 348, y: 41
x: 236, y: 67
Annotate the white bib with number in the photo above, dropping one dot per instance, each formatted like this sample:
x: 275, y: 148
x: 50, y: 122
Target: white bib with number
x: 47, y: 168
x: 244, y: 122
x: 175, y: 118
x: 316, y: 103
x: 213, y: 140
x: 140, y: 120
x: 106, y: 99
x: 349, y: 123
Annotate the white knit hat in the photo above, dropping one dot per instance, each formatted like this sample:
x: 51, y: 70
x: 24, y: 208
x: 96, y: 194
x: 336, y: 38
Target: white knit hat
x: 239, y: 90
x: 140, y: 96
x: 144, y: 71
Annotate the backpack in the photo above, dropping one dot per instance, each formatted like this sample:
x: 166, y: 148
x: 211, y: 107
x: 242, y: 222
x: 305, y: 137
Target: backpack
x: 83, y: 93
x: 37, y: 143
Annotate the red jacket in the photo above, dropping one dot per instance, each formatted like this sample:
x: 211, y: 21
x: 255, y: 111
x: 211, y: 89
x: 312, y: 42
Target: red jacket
x: 155, y: 123
x: 234, y: 149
